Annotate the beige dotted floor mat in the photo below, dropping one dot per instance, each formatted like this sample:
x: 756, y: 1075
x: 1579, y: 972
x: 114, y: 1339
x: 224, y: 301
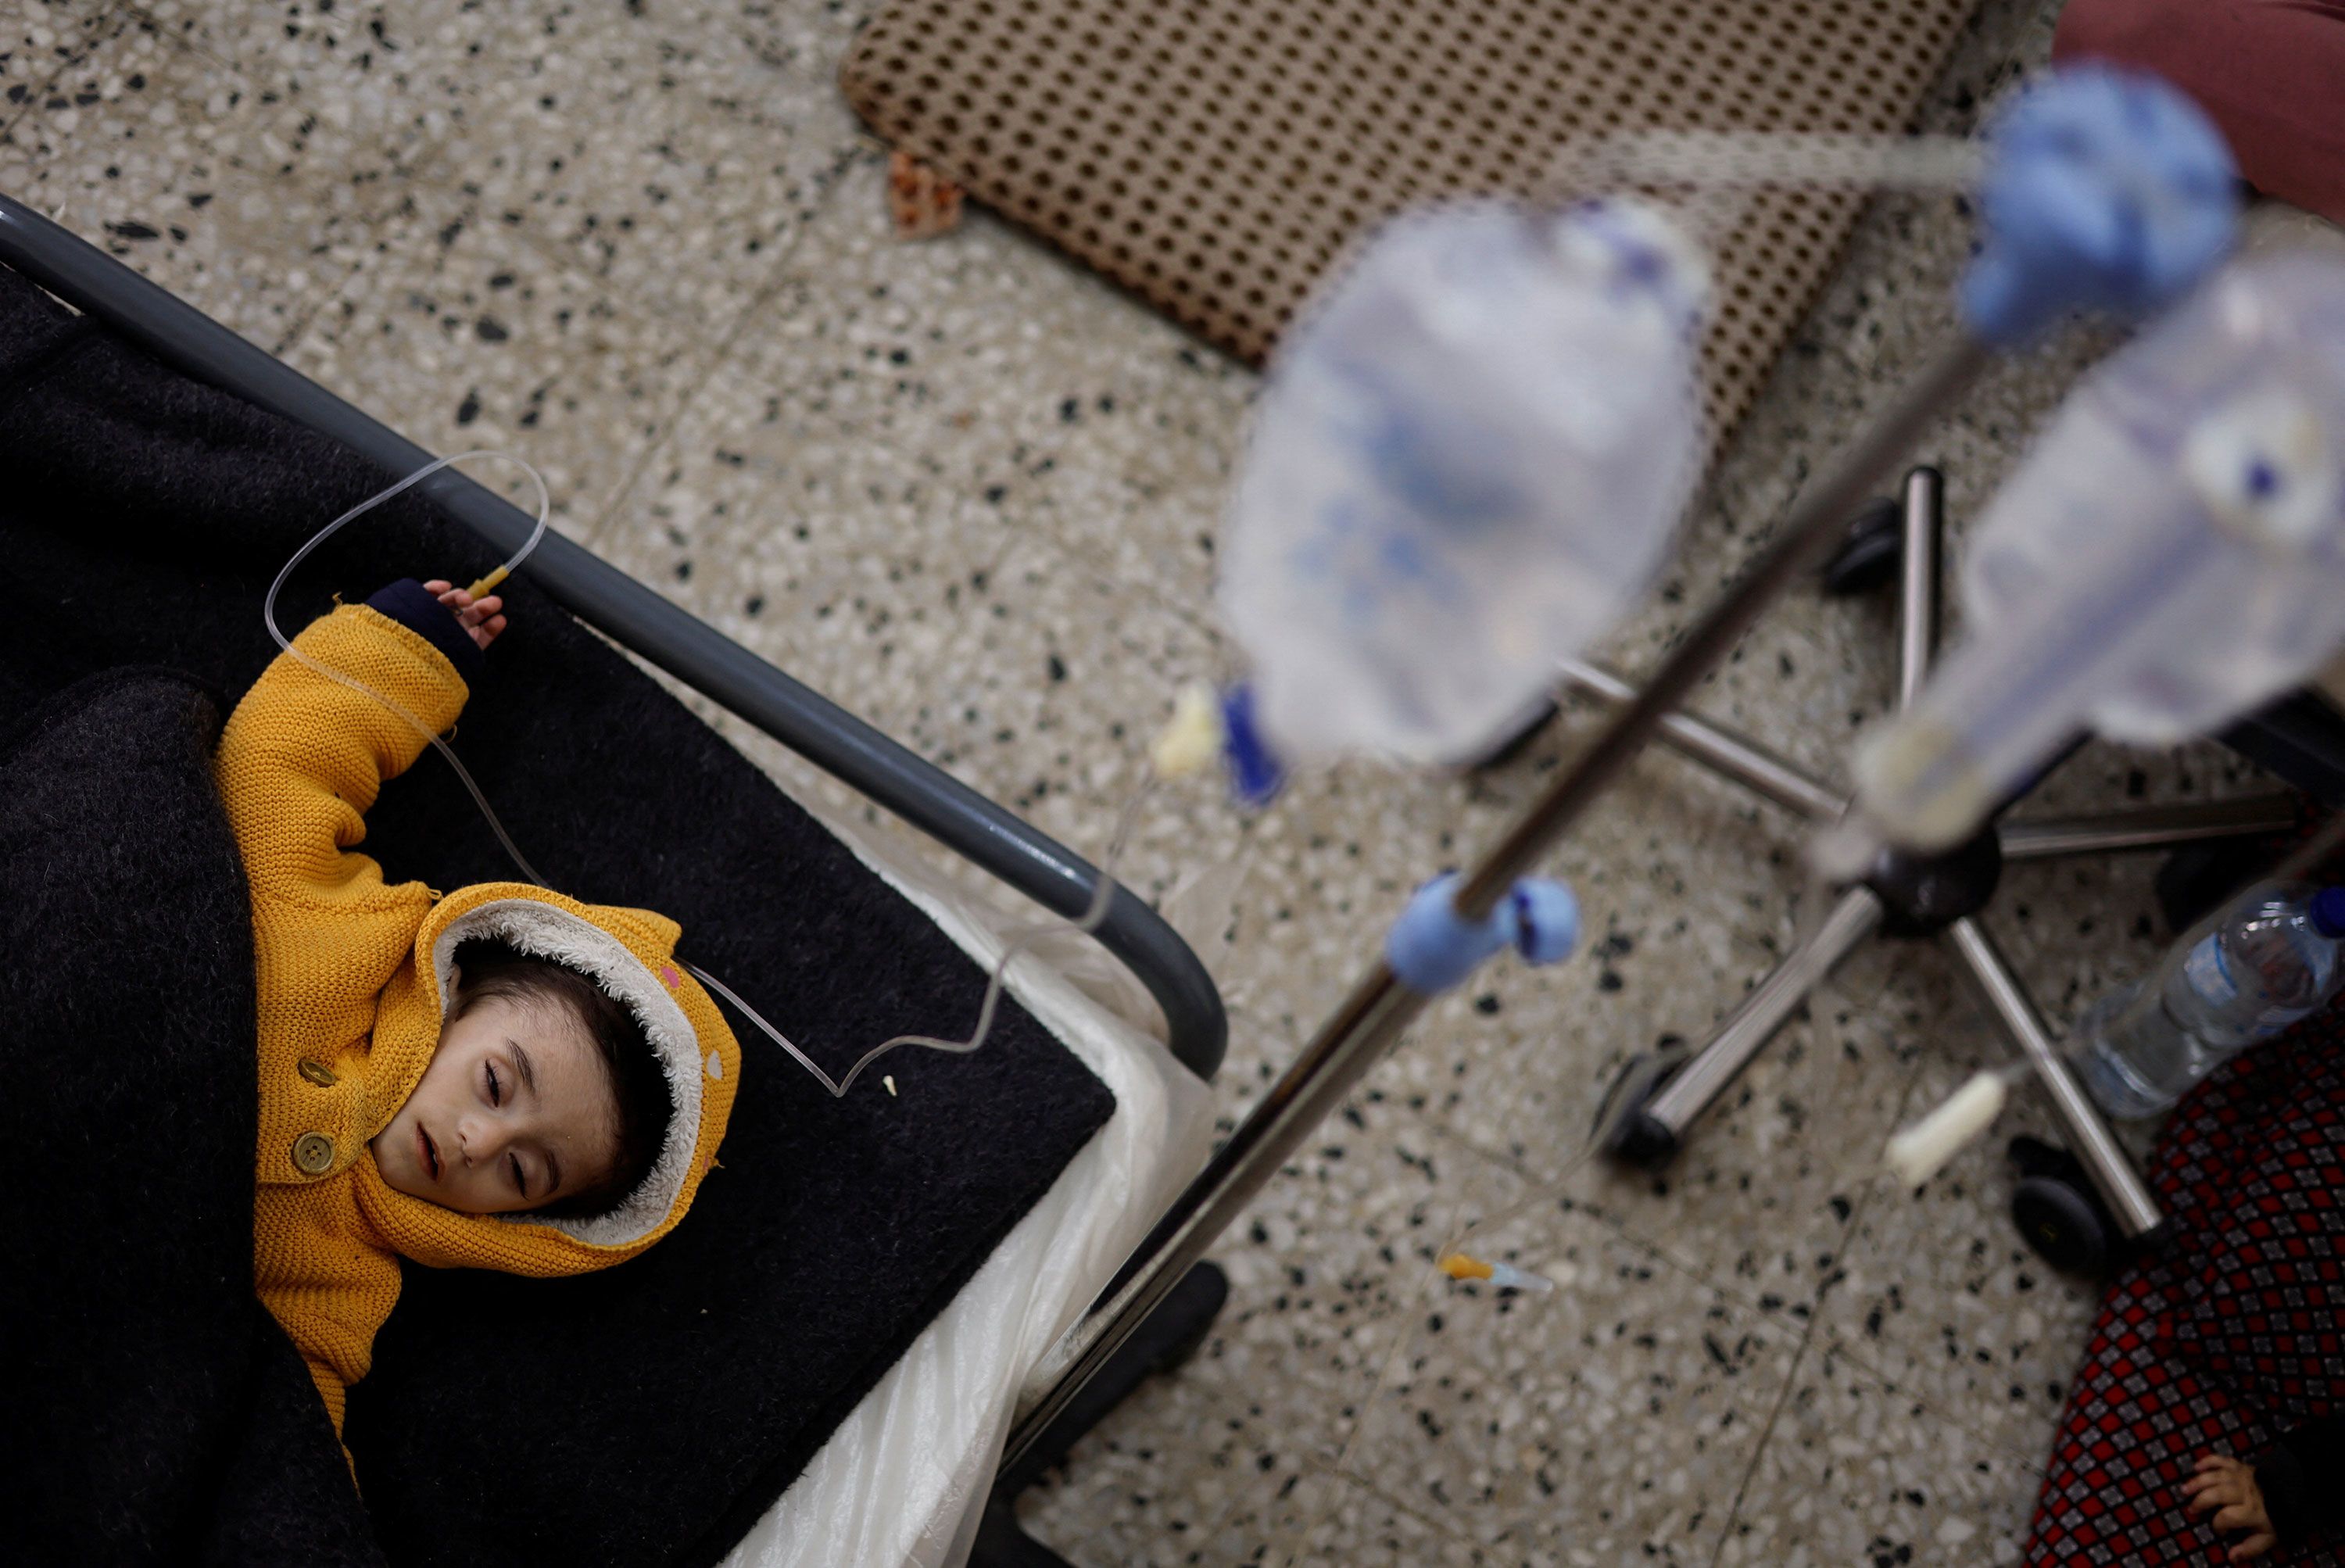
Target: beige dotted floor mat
x: 1216, y: 156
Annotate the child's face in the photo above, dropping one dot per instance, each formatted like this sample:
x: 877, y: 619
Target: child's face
x: 515, y: 1112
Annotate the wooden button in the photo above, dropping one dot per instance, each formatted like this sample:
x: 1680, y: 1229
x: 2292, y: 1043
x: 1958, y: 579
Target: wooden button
x: 313, y: 1153
x: 318, y: 1072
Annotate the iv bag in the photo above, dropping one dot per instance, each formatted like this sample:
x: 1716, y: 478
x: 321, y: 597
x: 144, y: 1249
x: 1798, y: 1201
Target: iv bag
x: 1465, y: 465
x: 2170, y: 555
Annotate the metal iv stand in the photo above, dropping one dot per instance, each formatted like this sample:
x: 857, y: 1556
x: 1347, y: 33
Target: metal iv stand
x: 1370, y: 1019
x: 1910, y: 896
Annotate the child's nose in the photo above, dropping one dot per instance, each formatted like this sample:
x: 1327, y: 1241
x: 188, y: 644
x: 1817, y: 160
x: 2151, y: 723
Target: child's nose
x: 483, y: 1138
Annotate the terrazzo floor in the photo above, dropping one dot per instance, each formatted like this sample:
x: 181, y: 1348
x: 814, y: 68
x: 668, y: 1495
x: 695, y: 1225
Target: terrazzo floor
x: 970, y: 491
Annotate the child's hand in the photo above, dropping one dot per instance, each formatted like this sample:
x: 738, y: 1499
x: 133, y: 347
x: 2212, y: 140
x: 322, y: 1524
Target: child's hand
x: 2228, y: 1484
x: 483, y: 620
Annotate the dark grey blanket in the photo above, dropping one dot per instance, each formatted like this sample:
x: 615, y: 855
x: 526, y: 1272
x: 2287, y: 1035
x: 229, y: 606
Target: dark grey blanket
x: 646, y: 1414
x: 154, y: 1412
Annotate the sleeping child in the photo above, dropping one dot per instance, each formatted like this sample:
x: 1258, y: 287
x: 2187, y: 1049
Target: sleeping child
x: 501, y: 1077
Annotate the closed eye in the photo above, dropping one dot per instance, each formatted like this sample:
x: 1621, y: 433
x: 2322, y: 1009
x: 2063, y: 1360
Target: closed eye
x: 520, y: 1183
x: 496, y: 1089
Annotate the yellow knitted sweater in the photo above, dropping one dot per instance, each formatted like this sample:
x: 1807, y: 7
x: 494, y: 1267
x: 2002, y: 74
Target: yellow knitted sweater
x: 353, y: 977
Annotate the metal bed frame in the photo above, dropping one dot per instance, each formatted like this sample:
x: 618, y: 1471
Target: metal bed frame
x: 639, y: 620
x: 1378, y: 1007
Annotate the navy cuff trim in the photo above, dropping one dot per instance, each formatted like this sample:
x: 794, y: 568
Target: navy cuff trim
x: 406, y: 602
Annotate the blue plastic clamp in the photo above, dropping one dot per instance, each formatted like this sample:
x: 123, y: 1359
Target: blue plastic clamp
x: 1432, y: 947
x: 2105, y: 190
x: 1256, y: 775
x: 1547, y: 920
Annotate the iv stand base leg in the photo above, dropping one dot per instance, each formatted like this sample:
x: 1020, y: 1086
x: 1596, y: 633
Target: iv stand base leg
x: 2146, y: 828
x: 2089, y: 1136
x: 1650, y: 1135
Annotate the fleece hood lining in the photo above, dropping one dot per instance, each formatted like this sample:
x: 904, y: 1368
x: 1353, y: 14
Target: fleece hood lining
x: 544, y: 931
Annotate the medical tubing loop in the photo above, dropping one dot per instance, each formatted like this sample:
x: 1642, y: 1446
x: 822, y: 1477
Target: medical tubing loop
x: 268, y: 619
x: 1019, y: 940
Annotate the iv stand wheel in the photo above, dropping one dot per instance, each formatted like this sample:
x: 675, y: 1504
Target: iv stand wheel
x: 1626, y: 1133
x: 2058, y: 1214
x: 1867, y: 559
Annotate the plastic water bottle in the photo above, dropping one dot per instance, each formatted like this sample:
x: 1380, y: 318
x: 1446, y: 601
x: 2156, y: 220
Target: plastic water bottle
x: 2252, y: 971
x: 1467, y: 463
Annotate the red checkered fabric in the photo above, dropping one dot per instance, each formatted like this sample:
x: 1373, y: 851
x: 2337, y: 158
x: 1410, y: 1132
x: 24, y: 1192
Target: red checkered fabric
x: 2231, y: 1332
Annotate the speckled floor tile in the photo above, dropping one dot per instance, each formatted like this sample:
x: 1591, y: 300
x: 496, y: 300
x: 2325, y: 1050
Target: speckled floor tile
x: 814, y: 33
x: 762, y: 507
x: 1189, y: 1470
x: 1344, y: 1246
x: 41, y: 39
x: 649, y: 139
x: 1939, y: 1294
x: 253, y: 202
x: 460, y: 336
x: 981, y: 384
x: 1616, y: 1413
x: 374, y: 36
x: 1857, y: 1471
x: 1328, y: 1265
x: 1613, y: 1418
x: 1068, y: 677
x: 1359, y: 1527
x: 901, y: 419
x: 1259, y: 1513
x: 617, y: 138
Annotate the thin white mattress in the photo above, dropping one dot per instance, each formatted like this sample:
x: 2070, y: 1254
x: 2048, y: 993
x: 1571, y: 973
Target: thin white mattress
x: 904, y: 1477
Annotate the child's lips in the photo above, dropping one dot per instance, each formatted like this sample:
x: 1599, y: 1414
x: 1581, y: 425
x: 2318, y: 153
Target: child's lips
x: 428, y: 1151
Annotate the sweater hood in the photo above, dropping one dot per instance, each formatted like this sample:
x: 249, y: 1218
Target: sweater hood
x: 630, y: 954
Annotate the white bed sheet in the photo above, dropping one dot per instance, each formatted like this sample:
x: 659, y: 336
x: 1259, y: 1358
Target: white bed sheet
x: 903, y: 1480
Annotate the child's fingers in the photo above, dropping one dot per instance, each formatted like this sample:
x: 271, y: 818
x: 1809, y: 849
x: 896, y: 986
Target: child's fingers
x: 437, y: 586
x: 2215, y: 1461
x: 2239, y: 1516
x: 2215, y: 1492
x: 2254, y: 1546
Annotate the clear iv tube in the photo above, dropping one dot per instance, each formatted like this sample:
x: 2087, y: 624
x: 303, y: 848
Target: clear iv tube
x: 268, y: 619
x: 1020, y: 940
x: 1023, y: 938
x: 1820, y: 160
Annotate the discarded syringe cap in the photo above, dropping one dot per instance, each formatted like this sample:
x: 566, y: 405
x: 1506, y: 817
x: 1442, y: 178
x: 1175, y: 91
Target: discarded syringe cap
x: 1919, y: 1152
